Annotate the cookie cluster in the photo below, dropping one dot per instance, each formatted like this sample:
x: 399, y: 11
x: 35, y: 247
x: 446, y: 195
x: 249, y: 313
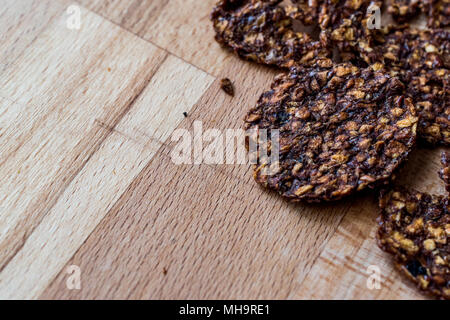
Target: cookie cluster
x: 350, y: 106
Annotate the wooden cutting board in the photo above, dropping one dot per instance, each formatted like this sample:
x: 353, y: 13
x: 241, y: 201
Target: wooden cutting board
x: 89, y: 188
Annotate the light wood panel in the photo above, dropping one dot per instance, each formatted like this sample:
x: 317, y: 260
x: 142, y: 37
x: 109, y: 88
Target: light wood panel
x: 135, y: 15
x: 181, y: 27
x: 62, y: 86
x: 84, y: 203
x: 21, y: 22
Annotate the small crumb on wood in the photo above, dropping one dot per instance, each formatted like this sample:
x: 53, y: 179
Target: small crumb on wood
x: 227, y: 86
x: 185, y: 114
x: 164, y: 271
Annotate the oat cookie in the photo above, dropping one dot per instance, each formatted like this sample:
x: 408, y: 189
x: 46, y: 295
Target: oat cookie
x: 341, y: 129
x: 438, y: 13
x: 344, y: 23
x: 415, y: 228
x: 330, y: 13
x: 421, y: 59
x: 403, y: 10
x: 261, y: 31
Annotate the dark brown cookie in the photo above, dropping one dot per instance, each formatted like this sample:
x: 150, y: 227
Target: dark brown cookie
x: 305, y: 11
x: 344, y: 23
x: 421, y: 59
x: 415, y: 228
x: 438, y: 13
x: 331, y: 13
x: 261, y: 31
x: 403, y: 10
x: 341, y: 129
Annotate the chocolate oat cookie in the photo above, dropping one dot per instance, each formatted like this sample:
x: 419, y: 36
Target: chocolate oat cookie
x: 305, y: 11
x: 421, y: 59
x: 415, y: 228
x: 261, y: 31
x: 344, y: 23
x: 331, y: 13
x: 403, y: 10
x: 438, y: 13
x: 341, y: 129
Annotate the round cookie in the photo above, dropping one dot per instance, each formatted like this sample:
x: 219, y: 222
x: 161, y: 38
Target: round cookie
x: 331, y: 13
x: 437, y: 11
x: 261, y: 31
x: 403, y: 10
x: 415, y: 228
x: 344, y: 23
x: 421, y: 59
x: 341, y: 129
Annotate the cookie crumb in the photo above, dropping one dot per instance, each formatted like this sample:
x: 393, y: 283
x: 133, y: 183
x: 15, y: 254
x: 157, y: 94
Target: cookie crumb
x: 227, y: 86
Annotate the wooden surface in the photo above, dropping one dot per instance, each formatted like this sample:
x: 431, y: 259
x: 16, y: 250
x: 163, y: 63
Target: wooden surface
x: 86, y: 118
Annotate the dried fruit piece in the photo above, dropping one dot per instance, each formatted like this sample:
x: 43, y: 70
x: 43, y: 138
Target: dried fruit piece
x: 421, y: 59
x: 415, y: 228
x: 227, y: 86
x: 341, y: 129
x: 261, y: 31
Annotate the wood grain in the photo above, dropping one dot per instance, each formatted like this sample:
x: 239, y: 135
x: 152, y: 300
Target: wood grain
x: 182, y: 27
x: 137, y: 16
x: 21, y: 22
x: 62, y: 86
x: 103, y: 179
